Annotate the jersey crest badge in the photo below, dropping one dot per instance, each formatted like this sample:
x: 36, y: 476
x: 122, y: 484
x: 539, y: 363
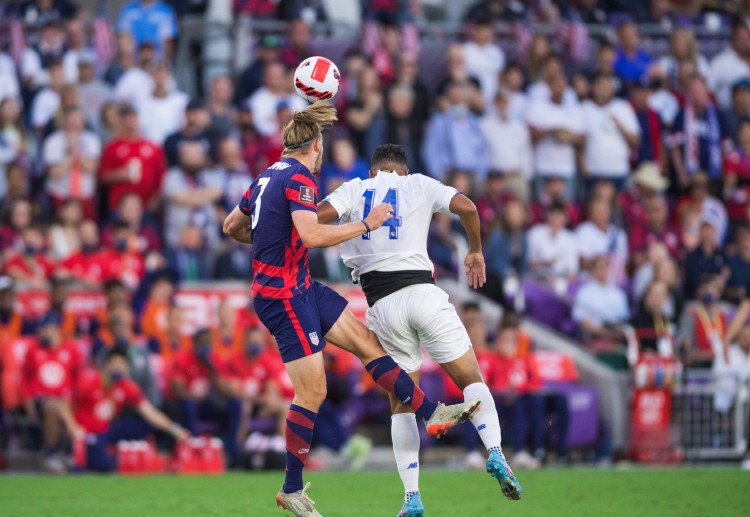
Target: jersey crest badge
x: 314, y: 338
x: 306, y: 195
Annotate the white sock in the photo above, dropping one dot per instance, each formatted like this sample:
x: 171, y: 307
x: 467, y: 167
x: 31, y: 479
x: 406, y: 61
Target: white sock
x: 485, y: 420
x: 405, y: 437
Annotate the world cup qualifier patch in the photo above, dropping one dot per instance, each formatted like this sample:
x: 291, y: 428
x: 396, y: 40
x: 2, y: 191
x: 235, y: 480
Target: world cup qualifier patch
x: 306, y: 195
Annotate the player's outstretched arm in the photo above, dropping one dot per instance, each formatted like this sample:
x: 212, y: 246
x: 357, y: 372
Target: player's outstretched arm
x: 474, y: 261
x: 237, y: 226
x: 326, y: 213
x: 316, y: 235
x: 160, y: 421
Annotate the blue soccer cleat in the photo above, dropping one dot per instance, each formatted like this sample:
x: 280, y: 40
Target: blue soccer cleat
x: 498, y: 468
x: 413, y: 507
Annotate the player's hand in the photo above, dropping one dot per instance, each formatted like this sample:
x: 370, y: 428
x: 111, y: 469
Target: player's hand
x: 77, y: 432
x: 379, y: 215
x: 474, y: 267
x: 180, y: 433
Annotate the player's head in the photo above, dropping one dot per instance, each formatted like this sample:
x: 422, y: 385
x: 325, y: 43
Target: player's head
x: 303, y: 136
x: 389, y: 157
x: 115, y: 365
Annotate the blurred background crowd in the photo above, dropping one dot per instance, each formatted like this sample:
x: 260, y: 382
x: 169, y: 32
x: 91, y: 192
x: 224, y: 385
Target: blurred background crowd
x: 605, y: 143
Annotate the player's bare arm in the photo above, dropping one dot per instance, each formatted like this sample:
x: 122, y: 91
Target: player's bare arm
x: 160, y: 421
x: 474, y: 261
x: 326, y: 213
x: 316, y: 235
x: 237, y: 226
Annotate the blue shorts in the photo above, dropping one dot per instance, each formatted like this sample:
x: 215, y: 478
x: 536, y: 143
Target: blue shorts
x: 300, y: 323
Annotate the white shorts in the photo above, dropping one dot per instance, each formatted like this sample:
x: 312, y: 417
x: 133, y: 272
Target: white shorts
x: 418, y: 315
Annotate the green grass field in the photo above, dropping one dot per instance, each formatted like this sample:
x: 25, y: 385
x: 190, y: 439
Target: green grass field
x: 637, y: 492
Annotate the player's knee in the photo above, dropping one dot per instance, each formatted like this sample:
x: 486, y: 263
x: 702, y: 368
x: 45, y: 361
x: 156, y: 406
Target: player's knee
x: 312, y: 397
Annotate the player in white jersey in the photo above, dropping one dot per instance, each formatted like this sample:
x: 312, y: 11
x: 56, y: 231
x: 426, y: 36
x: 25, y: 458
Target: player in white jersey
x: 406, y: 308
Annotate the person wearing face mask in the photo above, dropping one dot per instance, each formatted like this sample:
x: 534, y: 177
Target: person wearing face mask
x: 50, y: 368
x: 201, y: 384
x: 31, y: 267
x: 703, y: 326
x: 101, y: 397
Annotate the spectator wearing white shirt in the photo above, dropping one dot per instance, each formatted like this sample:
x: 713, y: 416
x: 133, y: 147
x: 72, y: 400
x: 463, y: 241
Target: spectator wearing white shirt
x: 598, y: 236
x: 509, y: 146
x: 484, y: 58
x: 37, y: 59
x: 48, y: 100
x: 511, y: 83
x: 92, y: 91
x: 731, y: 65
x: 135, y: 83
x: 71, y: 156
x: 264, y: 101
x: 163, y: 111
x: 74, y: 48
x: 599, y: 306
x: 9, y: 86
x: 553, y: 250
x: 612, y: 131
x: 557, y: 129
x: 540, y: 90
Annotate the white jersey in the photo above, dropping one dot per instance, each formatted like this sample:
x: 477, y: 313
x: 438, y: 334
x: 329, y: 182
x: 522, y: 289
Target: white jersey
x: 401, y: 243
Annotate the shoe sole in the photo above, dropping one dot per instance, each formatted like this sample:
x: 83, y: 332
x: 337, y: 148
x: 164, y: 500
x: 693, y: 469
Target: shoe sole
x: 508, y: 485
x: 420, y: 513
x: 437, y: 431
x: 280, y: 503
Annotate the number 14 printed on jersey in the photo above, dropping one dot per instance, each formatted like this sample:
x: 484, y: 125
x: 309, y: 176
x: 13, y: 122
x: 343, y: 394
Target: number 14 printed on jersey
x: 392, y: 199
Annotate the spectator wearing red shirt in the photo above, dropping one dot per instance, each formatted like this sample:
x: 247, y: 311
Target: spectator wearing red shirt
x: 200, y: 382
x: 31, y: 266
x: 130, y: 212
x: 132, y: 164
x: 101, y: 397
x: 555, y: 191
x: 490, y: 205
x: 48, y: 376
x: 19, y: 218
x: 737, y: 175
x: 647, y: 182
x: 515, y: 384
x: 657, y: 229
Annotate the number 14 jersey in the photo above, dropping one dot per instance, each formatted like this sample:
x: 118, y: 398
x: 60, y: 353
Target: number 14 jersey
x: 401, y: 243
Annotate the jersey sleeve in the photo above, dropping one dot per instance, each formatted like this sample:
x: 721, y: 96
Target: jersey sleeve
x: 245, y: 202
x: 438, y: 194
x: 301, y: 191
x: 342, y: 198
x: 133, y: 395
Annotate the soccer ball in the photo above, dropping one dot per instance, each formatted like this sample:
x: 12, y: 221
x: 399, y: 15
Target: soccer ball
x: 317, y: 78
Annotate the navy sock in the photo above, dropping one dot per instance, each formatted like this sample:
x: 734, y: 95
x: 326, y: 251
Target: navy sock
x: 393, y: 379
x: 299, y: 432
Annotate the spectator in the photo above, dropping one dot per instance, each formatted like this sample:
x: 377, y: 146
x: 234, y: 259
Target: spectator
x: 647, y: 181
x: 161, y: 112
x: 491, y: 204
x: 16, y: 143
x: 47, y: 102
x: 484, y: 58
x: 731, y: 64
x: 405, y: 122
x: 512, y: 85
x: 150, y: 21
x: 136, y: 84
x: 88, y: 263
x: 366, y: 114
x: 730, y: 370
x: 229, y: 333
x: 456, y: 72
x: 698, y: 136
x: 233, y: 262
x: 156, y: 316
x: 345, y: 165
x: 454, y: 139
x: 146, y: 235
x: 707, y: 259
x: 231, y: 173
x: 36, y: 13
x: 660, y: 267
x: 19, y: 218
x: 9, y: 86
x: 657, y: 228
x: 195, y: 129
x: 407, y: 75
x: 555, y: 191
x: 17, y: 189
x: 92, y: 91
x: 50, y: 368
x: 36, y: 60
x: 507, y: 242
x: 132, y: 164
x: 653, y: 331
x: 740, y: 109
x: 189, y: 196
x: 704, y: 204
x: 201, y: 384
x: 275, y: 89
x: 553, y: 251
x: 736, y: 184
x: 31, y: 267
x: 739, y: 267
x: 75, y: 48
x: 12, y: 324
x: 703, y: 326
x: 123, y: 60
x: 662, y: 99
x: 297, y: 44
x: 651, y: 144
x: 600, y: 307
x: 187, y: 260
x: 682, y: 46
x: 539, y: 50
x: 557, y: 129
x: 110, y: 122
x: 101, y: 404
x: 252, y: 77
x: 553, y: 69
x: 220, y: 108
x: 509, y: 143
x: 598, y: 236
x: 612, y: 131
x: 632, y: 61
x: 72, y: 159
x: 64, y: 238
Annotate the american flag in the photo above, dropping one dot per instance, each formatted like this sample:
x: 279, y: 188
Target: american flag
x: 523, y: 37
x: 575, y: 37
x: 104, y: 45
x: 17, y: 40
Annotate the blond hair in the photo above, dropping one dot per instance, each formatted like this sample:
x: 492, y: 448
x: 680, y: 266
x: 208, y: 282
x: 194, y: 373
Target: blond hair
x: 306, y: 126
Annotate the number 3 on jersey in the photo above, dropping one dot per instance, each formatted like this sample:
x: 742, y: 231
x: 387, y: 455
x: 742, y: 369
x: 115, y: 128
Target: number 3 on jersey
x: 263, y: 183
x: 392, y: 199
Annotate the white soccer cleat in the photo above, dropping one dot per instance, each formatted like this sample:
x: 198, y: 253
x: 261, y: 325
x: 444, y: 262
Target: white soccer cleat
x: 298, y: 503
x: 447, y: 417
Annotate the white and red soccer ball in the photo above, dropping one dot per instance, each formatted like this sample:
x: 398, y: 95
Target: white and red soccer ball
x: 317, y: 79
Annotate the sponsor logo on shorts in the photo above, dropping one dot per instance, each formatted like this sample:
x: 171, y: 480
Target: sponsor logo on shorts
x: 314, y: 338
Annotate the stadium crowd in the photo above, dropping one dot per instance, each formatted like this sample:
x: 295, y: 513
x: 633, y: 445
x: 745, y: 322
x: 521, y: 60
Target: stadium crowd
x: 608, y: 176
